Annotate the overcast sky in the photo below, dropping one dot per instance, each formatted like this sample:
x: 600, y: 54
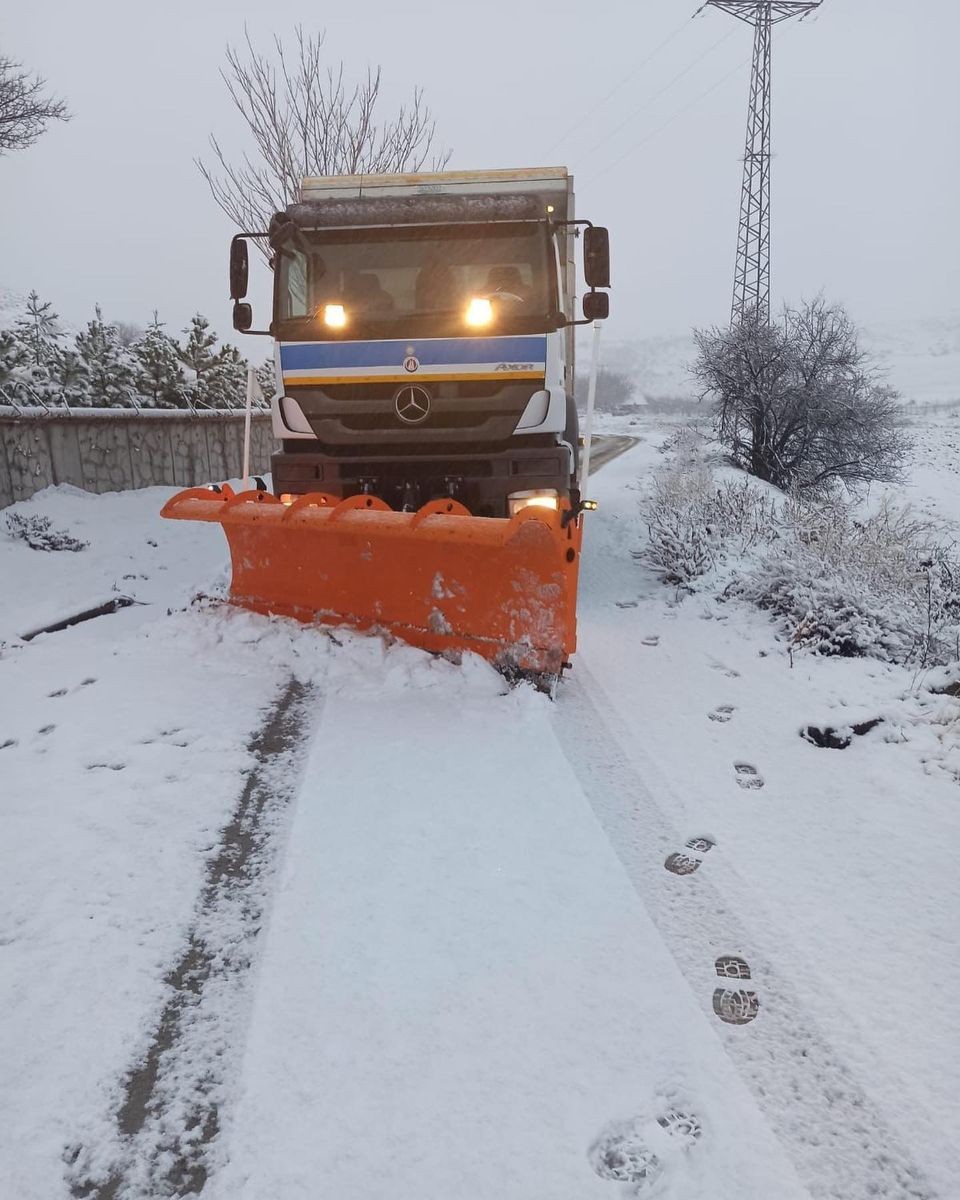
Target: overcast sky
x: 866, y: 118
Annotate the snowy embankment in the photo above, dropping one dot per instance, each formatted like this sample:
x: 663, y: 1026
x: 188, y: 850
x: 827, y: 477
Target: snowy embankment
x: 457, y: 964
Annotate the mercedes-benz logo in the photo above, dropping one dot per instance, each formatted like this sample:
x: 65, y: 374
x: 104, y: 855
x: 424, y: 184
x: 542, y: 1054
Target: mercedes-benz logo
x: 412, y: 404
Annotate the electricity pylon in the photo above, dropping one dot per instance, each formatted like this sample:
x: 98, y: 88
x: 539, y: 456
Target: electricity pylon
x: 751, y: 284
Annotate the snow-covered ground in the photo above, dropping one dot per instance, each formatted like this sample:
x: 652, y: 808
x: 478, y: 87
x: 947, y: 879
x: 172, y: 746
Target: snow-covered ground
x: 418, y: 939
x: 920, y: 358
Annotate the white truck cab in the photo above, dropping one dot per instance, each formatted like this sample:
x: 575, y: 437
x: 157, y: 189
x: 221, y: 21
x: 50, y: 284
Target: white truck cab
x: 423, y: 330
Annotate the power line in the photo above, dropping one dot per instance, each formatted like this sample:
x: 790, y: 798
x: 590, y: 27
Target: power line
x: 626, y: 79
x: 670, y: 120
x: 656, y: 95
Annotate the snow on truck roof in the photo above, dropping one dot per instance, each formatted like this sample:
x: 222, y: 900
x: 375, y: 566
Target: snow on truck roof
x: 527, y: 179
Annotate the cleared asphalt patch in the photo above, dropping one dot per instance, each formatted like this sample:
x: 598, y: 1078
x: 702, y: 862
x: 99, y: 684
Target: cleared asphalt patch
x: 169, y: 1111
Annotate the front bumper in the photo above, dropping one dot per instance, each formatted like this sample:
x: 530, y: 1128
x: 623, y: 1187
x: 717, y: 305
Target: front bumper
x: 482, y: 480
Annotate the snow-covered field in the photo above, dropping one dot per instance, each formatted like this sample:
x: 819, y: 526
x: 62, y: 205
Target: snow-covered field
x: 920, y: 358
x: 418, y: 939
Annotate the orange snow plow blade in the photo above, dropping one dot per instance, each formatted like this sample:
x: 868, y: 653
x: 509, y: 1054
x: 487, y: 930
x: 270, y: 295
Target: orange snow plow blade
x: 438, y: 578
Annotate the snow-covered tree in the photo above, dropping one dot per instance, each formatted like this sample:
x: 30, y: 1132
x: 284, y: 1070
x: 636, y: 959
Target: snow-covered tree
x: 267, y: 378
x: 108, y: 368
x: 13, y: 357
x: 159, y: 379
x: 71, y: 375
x: 224, y: 383
x: 38, y: 328
x: 199, y: 353
x: 29, y: 356
x: 39, y: 368
x: 798, y: 403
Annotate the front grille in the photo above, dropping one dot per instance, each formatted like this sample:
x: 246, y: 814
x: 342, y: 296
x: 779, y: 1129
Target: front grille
x: 454, y: 389
x: 437, y: 420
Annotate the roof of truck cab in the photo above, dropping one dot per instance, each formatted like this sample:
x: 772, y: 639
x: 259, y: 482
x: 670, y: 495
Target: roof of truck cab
x: 534, y: 179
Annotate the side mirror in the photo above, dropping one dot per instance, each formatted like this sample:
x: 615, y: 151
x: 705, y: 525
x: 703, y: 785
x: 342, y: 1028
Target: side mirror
x: 242, y: 316
x: 239, y: 270
x: 596, y: 306
x: 596, y: 256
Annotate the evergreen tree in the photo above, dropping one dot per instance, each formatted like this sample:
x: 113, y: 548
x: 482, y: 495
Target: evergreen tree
x: 224, y: 383
x: 38, y: 330
x: 198, y: 354
x: 159, y: 375
x: 13, y: 359
x: 107, y: 365
x: 71, y: 375
x: 267, y: 375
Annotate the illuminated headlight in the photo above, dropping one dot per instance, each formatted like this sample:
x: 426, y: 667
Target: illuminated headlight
x: 334, y: 315
x: 547, y: 498
x: 479, y: 312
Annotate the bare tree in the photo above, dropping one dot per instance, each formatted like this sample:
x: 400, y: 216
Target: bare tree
x: 128, y: 332
x: 798, y: 403
x: 305, y: 119
x: 615, y: 390
x: 24, y: 108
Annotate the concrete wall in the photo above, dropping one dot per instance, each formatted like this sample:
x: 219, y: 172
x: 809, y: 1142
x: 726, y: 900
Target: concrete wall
x: 110, y: 450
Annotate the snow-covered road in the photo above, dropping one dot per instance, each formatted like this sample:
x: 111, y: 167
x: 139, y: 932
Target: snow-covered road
x: 419, y: 940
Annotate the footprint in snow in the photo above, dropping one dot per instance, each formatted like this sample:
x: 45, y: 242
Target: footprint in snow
x: 683, y: 863
x: 628, y: 604
x: 167, y: 736
x: 45, y: 729
x: 748, y: 776
x: 102, y: 766
x: 730, y: 672
x: 639, y: 1150
x: 5, y: 745
x: 734, y: 1006
x: 652, y: 640
x: 732, y: 966
x: 683, y: 1127
x: 722, y: 713
x: 86, y: 682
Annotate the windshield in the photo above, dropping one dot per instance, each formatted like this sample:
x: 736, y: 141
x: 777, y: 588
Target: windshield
x: 425, y: 279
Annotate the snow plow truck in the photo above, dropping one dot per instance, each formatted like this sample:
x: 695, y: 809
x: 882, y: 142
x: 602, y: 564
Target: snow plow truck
x: 427, y: 481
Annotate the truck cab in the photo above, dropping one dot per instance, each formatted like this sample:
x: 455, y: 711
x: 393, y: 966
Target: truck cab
x: 423, y: 328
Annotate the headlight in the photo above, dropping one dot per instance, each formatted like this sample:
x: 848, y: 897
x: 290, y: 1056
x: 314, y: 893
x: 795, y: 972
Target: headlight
x: 334, y: 315
x: 479, y: 312
x: 547, y: 498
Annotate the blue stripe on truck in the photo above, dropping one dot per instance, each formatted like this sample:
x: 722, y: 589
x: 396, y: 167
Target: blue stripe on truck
x: 299, y: 356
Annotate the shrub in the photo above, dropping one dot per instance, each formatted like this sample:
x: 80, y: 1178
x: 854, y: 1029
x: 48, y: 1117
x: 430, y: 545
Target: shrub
x: 695, y: 524
x: 883, y: 584
x: 37, y: 533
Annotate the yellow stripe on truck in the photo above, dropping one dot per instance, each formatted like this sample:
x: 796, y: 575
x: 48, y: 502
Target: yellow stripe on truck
x: 419, y: 377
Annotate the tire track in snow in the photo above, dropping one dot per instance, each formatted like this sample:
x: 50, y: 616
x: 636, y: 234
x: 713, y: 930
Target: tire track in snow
x: 169, y: 1109
x: 840, y: 1143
